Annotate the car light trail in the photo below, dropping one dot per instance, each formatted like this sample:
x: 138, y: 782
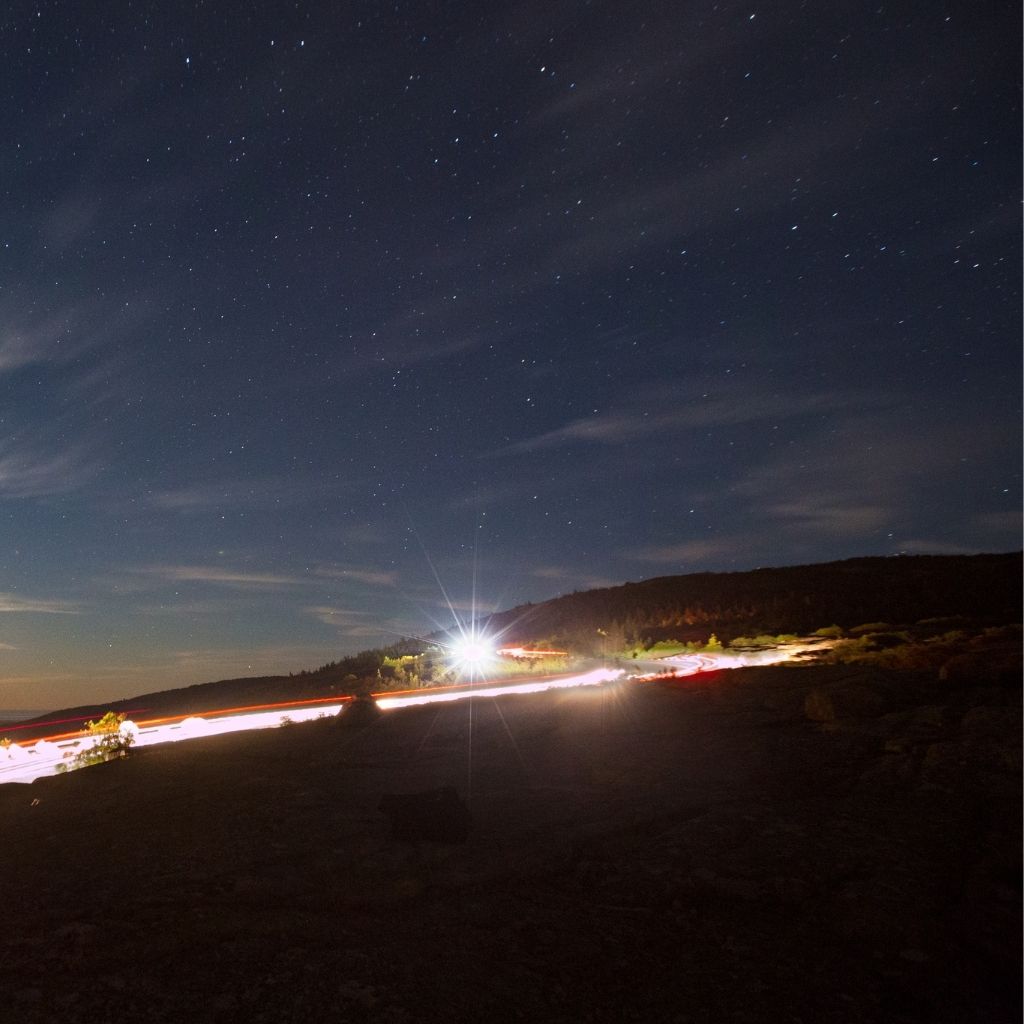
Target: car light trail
x: 528, y: 653
x: 25, y: 763
x: 46, y: 756
x: 594, y: 678
x: 62, y: 721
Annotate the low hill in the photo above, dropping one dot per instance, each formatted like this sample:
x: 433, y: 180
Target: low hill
x: 796, y: 599
x: 959, y: 590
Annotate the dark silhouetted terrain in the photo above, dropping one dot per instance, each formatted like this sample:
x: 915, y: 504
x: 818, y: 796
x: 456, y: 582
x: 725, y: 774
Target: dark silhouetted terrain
x: 949, y: 591
x: 794, y: 844
x: 793, y: 599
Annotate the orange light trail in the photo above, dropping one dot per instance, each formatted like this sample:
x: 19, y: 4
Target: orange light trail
x: 244, y: 709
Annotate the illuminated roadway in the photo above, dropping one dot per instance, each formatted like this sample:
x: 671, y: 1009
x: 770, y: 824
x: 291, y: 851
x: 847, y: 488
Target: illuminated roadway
x: 25, y: 763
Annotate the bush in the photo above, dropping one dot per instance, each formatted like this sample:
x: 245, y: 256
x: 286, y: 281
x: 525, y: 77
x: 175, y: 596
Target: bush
x: 830, y: 632
x: 763, y: 640
x: 870, y: 627
x: 109, y: 740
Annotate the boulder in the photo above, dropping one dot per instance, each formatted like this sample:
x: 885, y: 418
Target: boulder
x: 360, y: 713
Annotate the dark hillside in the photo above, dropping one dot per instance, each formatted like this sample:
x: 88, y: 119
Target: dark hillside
x: 957, y: 590
x: 907, y: 590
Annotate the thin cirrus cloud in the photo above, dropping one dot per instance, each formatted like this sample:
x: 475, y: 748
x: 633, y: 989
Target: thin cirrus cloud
x: 14, y: 603
x: 24, y: 340
x: 253, y: 492
x: 371, y: 577
x: 26, y: 472
x: 349, y: 621
x: 18, y: 349
x: 65, y: 334
x: 216, y: 575
x: 568, y: 577
x: 199, y: 663
x: 831, y: 517
x: 688, y: 552
x: 934, y: 547
x: 739, y: 407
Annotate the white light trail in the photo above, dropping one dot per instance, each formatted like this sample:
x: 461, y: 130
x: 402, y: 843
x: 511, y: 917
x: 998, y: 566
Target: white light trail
x: 28, y: 762
x: 595, y: 678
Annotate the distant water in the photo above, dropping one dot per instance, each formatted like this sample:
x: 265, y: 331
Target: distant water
x: 8, y: 715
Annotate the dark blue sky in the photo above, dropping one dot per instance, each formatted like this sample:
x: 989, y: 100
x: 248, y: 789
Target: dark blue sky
x: 297, y: 298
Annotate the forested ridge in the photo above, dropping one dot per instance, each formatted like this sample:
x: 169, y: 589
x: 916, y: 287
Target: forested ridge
x: 955, y: 590
x: 792, y: 599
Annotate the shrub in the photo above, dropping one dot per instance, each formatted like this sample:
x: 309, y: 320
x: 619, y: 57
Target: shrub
x: 109, y: 740
x: 763, y: 640
x: 830, y: 632
x: 870, y: 627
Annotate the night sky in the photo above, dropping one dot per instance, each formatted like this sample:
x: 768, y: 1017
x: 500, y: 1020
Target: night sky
x: 300, y: 301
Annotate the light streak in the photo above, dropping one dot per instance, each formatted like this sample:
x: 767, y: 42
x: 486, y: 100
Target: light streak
x: 528, y: 654
x: 594, y: 678
x: 29, y: 761
x: 25, y: 763
x: 683, y: 665
x: 63, y: 721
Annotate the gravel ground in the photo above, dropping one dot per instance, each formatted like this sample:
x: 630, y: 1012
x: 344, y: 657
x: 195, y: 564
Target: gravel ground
x: 777, y: 844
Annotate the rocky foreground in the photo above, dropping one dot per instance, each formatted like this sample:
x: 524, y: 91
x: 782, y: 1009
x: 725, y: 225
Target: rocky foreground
x: 775, y: 844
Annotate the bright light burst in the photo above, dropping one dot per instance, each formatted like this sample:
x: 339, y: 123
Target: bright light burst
x: 472, y: 654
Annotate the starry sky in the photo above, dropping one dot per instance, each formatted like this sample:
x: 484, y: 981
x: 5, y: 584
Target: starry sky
x: 309, y: 309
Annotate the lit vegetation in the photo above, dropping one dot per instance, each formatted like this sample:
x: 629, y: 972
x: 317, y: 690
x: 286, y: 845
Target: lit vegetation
x: 109, y: 740
x: 912, y: 599
x: 765, y: 640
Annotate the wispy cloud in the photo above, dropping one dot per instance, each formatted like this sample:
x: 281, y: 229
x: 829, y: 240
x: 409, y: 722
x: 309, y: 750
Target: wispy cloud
x: 27, y: 472
x: 17, y: 349
x: 354, y: 624
x: 693, y: 552
x: 831, y: 515
x: 332, y: 616
x: 371, y: 577
x: 194, y: 499
x: 15, y: 603
x: 566, y: 577
x: 217, y: 575
x: 27, y: 340
x: 934, y: 547
x: 72, y: 218
x: 208, y: 663
x: 251, y: 492
x: 690, y: 410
